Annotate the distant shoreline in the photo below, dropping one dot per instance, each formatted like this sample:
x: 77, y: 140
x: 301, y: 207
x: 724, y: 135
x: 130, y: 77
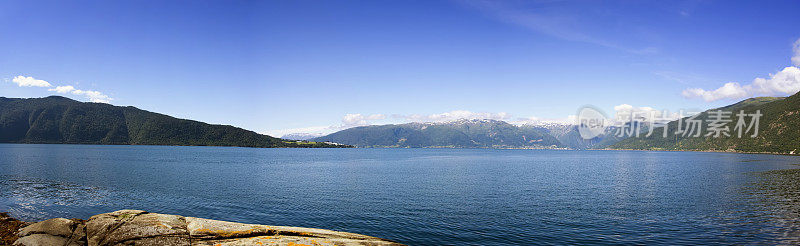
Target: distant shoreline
x: 228, y: 146
x: 710, y: 151
x: 432, y: 147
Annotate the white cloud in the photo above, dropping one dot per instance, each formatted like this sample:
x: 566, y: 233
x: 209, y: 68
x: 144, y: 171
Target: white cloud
x: 63, y: 89
x: 314, y: 131
x: 93, y: 96
x: 360, y: 120
x: 570, y: 119
x: 796, y: 56
x: 624, y: 112
x: 23, y: 81
x: 376, y: 117
x: 348, y: 121
x: 730, y: 90
x: 785, y: 82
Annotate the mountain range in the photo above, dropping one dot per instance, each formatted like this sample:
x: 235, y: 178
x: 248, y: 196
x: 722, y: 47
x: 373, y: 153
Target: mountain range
x: 60, y: 120
x: 779, y: 132
x: 456, y: 134
x: 468, y: 133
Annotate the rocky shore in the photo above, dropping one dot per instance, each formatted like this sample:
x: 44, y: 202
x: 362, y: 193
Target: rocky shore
x: 9, y: 228
x: 136, y: 227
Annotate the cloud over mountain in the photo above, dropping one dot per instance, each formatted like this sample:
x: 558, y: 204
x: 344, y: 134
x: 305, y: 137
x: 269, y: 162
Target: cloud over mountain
x: 784, y: 82
x: 92, y: 96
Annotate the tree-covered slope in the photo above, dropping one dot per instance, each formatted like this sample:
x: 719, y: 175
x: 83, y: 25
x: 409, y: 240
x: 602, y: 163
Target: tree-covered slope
x: 779, y: 130
x: 61, y: 120
x: 457, y: 134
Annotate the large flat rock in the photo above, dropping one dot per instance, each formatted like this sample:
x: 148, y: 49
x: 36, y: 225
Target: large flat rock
x: 137, y: 227
x: 215, y: 232
x: 130, y: 226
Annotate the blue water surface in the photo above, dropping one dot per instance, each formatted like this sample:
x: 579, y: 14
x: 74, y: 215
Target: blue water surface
x: 423, y: 196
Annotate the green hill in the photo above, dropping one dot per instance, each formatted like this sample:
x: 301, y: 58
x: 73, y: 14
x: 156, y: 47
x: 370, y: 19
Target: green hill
x: 59, y: 120
x: 779, y: 130
x: 457, y: 134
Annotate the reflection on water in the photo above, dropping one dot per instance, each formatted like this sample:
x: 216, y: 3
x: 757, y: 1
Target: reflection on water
x: 39, y: 199
x: 777, y: 195
x: 33, y: 199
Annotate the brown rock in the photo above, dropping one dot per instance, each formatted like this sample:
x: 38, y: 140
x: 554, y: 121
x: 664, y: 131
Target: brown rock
x: 136, y: 227
x: 128, y: 226
x: 79, y: 234
x: 211, y: 232
x: 43, y: 240
x: 8, y: 229
x: 56, y: 227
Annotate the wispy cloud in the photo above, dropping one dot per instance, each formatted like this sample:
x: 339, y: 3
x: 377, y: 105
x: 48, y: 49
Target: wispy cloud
x: 92, y: 96
x: 533, y: 15
x: 796, y: 56
x: 681, y: 78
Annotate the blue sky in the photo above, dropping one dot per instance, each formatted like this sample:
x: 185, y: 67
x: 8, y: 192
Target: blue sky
x: 310, y: 65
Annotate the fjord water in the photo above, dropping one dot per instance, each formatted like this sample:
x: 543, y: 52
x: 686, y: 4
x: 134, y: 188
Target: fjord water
x: 423, y: 196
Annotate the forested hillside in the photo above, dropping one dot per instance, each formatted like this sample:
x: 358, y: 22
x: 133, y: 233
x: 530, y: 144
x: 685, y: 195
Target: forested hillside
x: 778, y: 130
x: 61, y: 120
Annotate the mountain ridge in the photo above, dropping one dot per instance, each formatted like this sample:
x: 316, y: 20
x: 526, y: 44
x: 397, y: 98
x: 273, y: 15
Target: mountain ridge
x: 60, y: 120
x: 465, y: 133
x: 778, y: 129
